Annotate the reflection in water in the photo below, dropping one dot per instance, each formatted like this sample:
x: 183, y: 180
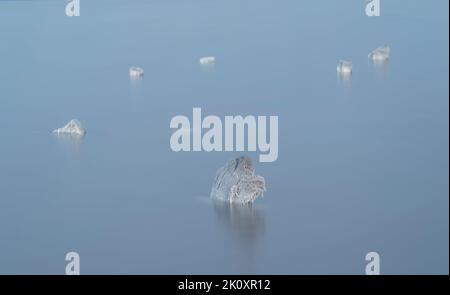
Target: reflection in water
x: 208, y: 68
x: 381, y: 65
x: 135, y: 82
x: 344, y: 79
x: 244, y: 223
x: 71, y: 141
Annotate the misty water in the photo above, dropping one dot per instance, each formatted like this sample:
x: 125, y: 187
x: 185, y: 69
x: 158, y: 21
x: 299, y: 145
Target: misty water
x: 363, y: 160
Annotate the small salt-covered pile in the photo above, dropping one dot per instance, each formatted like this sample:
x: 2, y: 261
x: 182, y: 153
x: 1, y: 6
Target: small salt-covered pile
x: 344, y: 67
x: 382, y: 53
x: 74, y: 127
x: 236, y: 182
x: 136, y: 72
x: 208, y: 60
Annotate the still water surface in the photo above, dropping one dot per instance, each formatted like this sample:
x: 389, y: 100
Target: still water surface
x: 362, y: 166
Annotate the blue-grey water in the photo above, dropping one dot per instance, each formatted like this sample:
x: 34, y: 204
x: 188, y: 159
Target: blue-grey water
x: 363, y: 164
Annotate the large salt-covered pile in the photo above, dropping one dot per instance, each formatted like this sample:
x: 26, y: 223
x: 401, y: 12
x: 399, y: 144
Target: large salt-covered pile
x: 236, y: 182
